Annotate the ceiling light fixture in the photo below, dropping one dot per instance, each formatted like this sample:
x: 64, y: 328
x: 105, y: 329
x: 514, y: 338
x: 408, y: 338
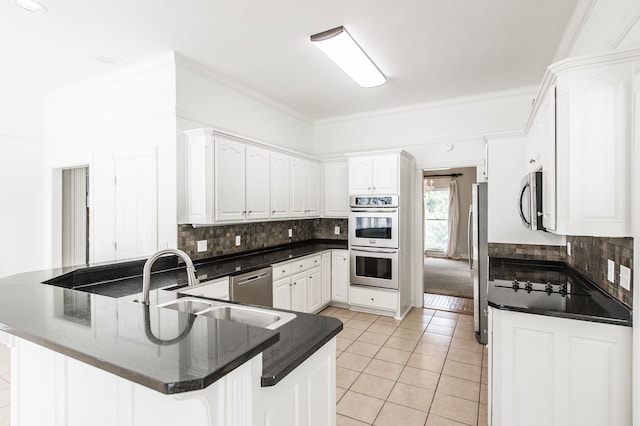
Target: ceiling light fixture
x: 31, y: 6
x: 342, y: 49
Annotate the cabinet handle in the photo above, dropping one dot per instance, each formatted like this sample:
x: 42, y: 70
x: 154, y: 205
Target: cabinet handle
x: 273, y: 212
x: 372, y: 299
x: 531, y: 161
x: 249, y: 211
x: 368, y: 187
x: 284, y: 271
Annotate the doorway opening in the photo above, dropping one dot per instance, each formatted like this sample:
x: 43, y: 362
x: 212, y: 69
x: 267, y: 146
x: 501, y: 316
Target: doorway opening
x: 447, y: 280
x: 75, y: 216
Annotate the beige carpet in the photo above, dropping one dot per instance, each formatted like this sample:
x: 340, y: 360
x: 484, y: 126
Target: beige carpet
x: 447, y: 277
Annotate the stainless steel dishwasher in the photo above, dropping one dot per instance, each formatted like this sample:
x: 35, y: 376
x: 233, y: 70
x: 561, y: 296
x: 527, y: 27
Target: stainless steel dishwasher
x: 254, y: 287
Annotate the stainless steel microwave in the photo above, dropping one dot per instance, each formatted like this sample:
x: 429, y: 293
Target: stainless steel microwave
x: 530, y: 201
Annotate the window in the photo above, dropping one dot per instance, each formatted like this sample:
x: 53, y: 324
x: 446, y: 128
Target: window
x: 436, y: 218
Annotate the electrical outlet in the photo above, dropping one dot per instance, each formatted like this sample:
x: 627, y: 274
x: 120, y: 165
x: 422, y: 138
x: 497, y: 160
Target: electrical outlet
x: 568, y: 249
x: 336, y: 230
x: 625, y: 277
x: 238, y: 240
x: 202, y: 246
x: 611, y: 269
x: 290, y: 233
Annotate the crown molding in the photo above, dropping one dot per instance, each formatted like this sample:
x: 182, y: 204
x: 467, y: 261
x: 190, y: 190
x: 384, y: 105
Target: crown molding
x: 575, y: 26
x: 521, y: 91
x: 626, y: 25
x: 206, y: 72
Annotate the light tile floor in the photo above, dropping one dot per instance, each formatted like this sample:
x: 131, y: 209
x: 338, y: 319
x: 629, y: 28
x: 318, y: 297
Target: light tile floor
x: 425, y: 370
x: 5, y: 386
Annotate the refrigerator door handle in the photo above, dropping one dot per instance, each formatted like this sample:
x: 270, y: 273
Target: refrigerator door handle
x: 469, y: 242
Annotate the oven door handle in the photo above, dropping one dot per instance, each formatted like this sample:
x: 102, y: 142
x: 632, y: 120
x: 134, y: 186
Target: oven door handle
x: 393, y: 210
x: 391, y: 251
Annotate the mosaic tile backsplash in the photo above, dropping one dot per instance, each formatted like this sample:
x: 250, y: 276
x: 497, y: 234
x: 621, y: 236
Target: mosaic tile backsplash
x: 528, y: 251
x: 258, y: 235
x: 588, y: 256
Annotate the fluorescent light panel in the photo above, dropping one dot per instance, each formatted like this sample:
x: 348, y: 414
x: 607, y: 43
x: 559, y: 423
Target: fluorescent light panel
x: 338, y: 45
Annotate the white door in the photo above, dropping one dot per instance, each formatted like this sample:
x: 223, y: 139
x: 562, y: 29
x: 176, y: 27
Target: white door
x: 229, y: 180
x: 314, y: 289
x: 326, y: 278
x: 360, y: 169
x: 312, y: 189
x: 385, y: 174
x: 298, y: 187
x: 279, y: 185
x: 299, y: 292
x: 257, y: 184
x: 282, y: 293
x: 136, y: 207
x: 340, y: 276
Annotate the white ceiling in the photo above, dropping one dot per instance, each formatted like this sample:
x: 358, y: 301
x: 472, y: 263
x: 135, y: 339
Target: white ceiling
x: 428, y: 49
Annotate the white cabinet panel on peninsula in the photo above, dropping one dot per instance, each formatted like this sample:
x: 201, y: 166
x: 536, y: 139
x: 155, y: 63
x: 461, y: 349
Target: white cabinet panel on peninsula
x: 377, y: 174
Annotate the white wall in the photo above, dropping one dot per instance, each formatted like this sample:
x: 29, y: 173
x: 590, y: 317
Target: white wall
x: 25, y: 244
x: 506, y: 167
x: 126, y: 113
x: 203, y: 100
x: 424, y: 130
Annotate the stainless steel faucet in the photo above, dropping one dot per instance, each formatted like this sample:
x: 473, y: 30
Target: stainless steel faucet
x: 146, y: 271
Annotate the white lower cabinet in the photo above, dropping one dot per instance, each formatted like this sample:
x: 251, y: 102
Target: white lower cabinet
x: 282, y: 293
x: 299, y: 284
x: 369, y: 299
x: 48, y: 388
x: 340, y: 277
x: 314, y: 289
x: 326, y: 278
x: 557, y: 371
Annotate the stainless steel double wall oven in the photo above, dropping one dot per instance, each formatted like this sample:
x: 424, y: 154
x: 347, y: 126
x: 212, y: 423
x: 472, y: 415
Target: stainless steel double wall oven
x: 373, y: 240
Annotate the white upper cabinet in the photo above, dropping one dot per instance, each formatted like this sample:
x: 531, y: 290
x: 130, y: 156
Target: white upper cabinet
x: 590, y: 193
x: 224, y: 179
x: 257, y: 183
x: 376, y: 174
x: 279, y: 185
x: 229, y: 180
x: 196, y: 196
x: 304, y: 192
x: 336, y: 189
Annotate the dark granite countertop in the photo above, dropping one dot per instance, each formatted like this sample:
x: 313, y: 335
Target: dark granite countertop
x: 126, y: 279
x: 163, y: 349
x: 583, y: 301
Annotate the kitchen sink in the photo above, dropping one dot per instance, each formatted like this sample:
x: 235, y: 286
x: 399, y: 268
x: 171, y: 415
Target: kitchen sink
x: 257, y: 317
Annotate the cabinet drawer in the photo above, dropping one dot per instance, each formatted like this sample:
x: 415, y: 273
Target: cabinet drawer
x: 281, y: 270
x: 373, y: 298
x: 314, y: 261
x: 299, y: 266
x: 218, y: 289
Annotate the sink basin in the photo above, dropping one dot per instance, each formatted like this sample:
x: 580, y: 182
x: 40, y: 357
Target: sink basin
x: 190, y: 305
x: 256, y: 317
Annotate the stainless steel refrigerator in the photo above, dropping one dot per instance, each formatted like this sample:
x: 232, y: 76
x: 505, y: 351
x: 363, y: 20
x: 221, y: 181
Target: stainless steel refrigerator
x: 479, y: 258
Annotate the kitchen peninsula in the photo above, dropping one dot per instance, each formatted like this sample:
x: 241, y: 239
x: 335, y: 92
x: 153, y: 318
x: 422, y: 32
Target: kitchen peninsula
x: 84, y: 358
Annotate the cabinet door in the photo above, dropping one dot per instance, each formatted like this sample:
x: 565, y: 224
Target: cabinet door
x: 360, y: 172
x: 299, y: 292
x: 340, y: 276
x: 197, y: 167
x: 385, y: 174
x: 326, y: 278
x: 229, y: 180
x: 282, y: 293
x: 312, y: 190
x: 548, y: 142
x: 297, y: 174
x: 336, y: 189
x: 314, y: 290
x: 257, y: 185
x: 279, y: 185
